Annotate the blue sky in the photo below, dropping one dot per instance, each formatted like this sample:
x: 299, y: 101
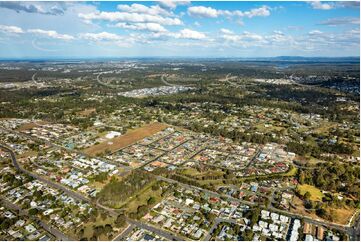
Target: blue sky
x: 178, y: 28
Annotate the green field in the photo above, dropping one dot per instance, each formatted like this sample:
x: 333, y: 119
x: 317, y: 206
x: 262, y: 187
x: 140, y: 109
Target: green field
x: 316, y: 194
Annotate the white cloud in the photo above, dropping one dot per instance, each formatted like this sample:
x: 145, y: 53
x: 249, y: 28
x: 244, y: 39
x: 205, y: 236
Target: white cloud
x: 208, y: 12
x: 190, y: 34
x: 103, y: 36
x: 314, y: 32
x: 279, y: 37
x: 322, y: 6
x: 47, y: 8
x: 153, y: 27
x: 251, y: 36
x: 201, y: 11
x: 245, y: 36
x: 170, y: 4
x: 130, y: 17
x: 182, y: 34
x: 11, y: 29
x: 226, y: 31
x: 262, y: 11
x: 51, y: 34
x: 140, y: 8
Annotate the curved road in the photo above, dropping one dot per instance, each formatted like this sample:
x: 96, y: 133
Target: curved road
x: 80, y: 197
x: 165, y: 82
x: 71, y: 193
x: 350, y: 230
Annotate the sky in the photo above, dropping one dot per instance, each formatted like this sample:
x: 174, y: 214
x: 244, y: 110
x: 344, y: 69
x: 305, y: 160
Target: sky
x: 179, y: 29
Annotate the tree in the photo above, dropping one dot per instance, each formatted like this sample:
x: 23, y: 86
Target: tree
x: 155, y: 186
x: 151, y: 201
x: 5, y: 224
x: 108, y: 228
x: 141, y: 210
x: 120, y: 220
x: 247, y: 235
x: 301, y: 177
x: 255, y: 216
x: 307, y: 195
x: 33, y: 211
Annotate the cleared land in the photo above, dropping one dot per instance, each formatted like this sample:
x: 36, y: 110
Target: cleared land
x: 339, y: 215
x: 87, y: 112
x: 29, y: 125
x: 316, y: 194
x: 129, y: 138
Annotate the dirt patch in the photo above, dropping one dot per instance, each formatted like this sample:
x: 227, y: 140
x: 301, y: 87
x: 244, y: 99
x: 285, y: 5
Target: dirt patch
x: 126, y: 139
x: 341, y: 215
x: 87, y: 112
x: 30, y: 125
x: 298, y: 208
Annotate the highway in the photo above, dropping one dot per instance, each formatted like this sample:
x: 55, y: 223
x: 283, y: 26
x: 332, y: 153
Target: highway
x: 165, y: 82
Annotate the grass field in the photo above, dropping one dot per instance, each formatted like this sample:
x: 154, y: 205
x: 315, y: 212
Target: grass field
x: 198, y: 175
x: 129, y: 138
x: 316, y: 194
x: 142, y: 198
x: 291, y: 172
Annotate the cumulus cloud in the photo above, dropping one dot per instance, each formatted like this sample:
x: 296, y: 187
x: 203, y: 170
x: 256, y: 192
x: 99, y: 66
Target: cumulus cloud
x: 201, y: 11
x: 190, y: 34
x: 262, y: 11
x: 208, y: 12
x: 11, y: 29
x: 51, y: 34
x: 140, y: 8
x: 170, y: 4
x: 130, y: 17
x: 341, y: 21
x: 40, y: 8
x: 152, y: 27
x: 322, y: 5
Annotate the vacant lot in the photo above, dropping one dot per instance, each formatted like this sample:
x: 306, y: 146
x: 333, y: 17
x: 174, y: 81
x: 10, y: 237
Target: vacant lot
x: 30, y: 125
x: 316, y: 194
x: 129, y: 138
x: 339, y: 215
x: 87, y: 112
